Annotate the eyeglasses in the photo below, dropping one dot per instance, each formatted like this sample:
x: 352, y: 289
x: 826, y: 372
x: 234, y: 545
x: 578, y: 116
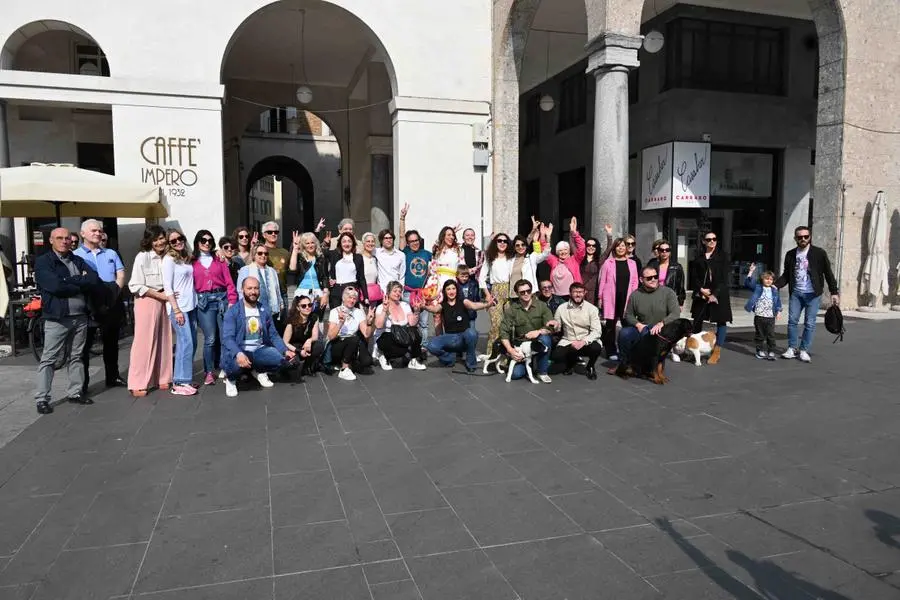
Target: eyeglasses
x: 413, y: 241
x: 802, y: 237
x: 206, y: 240
x: 524, y: 292
x: 276, y: 232
x: 227, y: 247
x: 176, y: 240
x: 709, y: 239
x: 651, y: 277
x: 664, y: 249
x: 305, y: 305
x: 243, y: 236
x: 262, y: 253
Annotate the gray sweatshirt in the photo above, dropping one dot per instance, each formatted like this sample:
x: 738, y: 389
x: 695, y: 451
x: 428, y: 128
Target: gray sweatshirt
x: 650, y: 308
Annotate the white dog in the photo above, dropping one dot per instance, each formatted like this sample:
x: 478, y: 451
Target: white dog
x: 528, y: 348
x: 698, y: 344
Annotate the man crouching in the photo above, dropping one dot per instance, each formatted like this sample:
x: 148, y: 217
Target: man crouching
x: 250, y: 341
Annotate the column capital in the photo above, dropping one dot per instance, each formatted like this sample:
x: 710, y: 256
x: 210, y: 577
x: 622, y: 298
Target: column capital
x: 613, y: 51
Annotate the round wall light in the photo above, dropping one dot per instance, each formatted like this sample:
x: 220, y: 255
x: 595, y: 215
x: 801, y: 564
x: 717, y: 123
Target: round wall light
x: 654, y: 41
x: 547, y: 103
x: 304, y: 95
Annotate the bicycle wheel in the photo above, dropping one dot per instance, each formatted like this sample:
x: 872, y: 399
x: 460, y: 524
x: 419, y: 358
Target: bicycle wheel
x: 36, y: 336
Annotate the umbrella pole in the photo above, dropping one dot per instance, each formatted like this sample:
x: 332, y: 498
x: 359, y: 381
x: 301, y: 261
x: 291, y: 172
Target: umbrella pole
x: 58, y: 207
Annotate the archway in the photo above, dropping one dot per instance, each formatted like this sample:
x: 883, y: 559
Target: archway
x: 293, y: 206
x: 317, y: 57
x: 48, y: 45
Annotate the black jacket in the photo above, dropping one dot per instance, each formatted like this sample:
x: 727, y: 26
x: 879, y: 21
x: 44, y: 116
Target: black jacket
x: 714, y: 274
x: 334, y: 256
x: 674, y: 278
x: 819, y: 271
x: 57, y: 285
x: 323, y: 269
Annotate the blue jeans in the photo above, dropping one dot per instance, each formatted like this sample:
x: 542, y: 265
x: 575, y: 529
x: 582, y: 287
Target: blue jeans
x: 423, y: 318
x: 802, y: 301
x: 210, y: 320
x: 542, y: 359
x: 185, y: 342
x: 264, y: 360
x: 445, y: 347
x: 628, y: 339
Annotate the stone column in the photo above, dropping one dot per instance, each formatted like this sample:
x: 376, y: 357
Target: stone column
x: 380, y: 148
x: 7, y: 224
x: 611, y: 56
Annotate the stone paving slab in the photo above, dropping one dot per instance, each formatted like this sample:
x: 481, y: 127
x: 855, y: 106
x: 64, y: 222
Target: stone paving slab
x: 746, y: 480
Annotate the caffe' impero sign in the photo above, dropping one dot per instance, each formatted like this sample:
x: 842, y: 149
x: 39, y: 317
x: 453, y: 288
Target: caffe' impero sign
x: 170, y: 163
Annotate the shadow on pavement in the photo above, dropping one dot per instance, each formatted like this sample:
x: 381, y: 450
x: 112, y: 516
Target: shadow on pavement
x: 772, y: 582
x: 886, y: 526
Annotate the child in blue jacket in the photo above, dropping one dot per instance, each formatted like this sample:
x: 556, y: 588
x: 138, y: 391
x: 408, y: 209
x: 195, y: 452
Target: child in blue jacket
x: 765, y: 304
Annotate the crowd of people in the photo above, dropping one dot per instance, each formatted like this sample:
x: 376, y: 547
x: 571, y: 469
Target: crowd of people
x: 385, y: 300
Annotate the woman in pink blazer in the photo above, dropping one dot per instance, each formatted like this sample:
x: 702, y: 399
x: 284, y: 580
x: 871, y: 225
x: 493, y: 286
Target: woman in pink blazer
x: 618, y: 278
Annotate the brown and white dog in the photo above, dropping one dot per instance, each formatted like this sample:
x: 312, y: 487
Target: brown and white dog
x: 698, y: 344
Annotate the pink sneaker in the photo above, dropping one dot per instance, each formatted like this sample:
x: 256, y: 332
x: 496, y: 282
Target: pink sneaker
x: 184, y: 390
x: 210, y: 379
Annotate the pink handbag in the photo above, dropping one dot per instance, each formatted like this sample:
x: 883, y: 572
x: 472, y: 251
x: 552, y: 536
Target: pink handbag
x: 375, y: 294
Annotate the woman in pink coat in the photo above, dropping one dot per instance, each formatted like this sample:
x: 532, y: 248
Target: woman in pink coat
x: 618, y: 278
x: 565, y: 265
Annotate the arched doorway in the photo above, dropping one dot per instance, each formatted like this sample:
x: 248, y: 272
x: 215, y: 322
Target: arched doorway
x: 292, y: 205
x: 316, y: 57
x: 51, y: 132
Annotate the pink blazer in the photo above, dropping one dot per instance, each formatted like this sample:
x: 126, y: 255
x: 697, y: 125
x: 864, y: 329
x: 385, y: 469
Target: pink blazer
x: 608, y: 285
x: 573, y: 263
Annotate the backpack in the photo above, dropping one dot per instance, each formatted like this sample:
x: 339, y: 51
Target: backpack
x: 834, y: 322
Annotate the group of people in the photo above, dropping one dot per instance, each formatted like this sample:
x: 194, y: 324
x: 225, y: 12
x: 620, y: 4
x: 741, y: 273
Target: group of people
x: 358, y: 302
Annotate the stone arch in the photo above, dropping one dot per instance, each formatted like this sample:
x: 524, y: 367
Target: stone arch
x: 286, y: 167
x: 269, y: 4
x: 24, y: 33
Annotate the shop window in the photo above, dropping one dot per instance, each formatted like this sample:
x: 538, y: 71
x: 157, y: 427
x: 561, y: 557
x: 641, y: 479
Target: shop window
x: 572, y: 101
x: 532, y: 117
x: 729, y: 57
x: 90, y: 60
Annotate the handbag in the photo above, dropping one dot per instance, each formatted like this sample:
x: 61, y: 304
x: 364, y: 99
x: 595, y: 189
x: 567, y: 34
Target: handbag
x: 405, y: 335
x: 374, y: 292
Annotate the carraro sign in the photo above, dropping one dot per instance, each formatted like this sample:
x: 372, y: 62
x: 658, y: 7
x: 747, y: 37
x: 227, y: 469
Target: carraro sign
x: 675, y: 175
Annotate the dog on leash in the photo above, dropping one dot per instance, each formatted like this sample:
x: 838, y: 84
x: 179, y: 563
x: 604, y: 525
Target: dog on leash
x: 698, y: 344
x: 528, y: 348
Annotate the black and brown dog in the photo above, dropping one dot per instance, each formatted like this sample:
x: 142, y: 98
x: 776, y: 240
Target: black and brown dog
x: 648, y: 357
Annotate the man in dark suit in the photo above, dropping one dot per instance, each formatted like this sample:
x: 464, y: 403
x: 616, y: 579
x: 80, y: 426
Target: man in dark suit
x: 806, y: 270
x: 66, y: 283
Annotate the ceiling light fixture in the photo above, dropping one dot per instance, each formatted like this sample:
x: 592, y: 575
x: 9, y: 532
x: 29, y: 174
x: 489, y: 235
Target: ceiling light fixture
x: 304, y: 93
x: 654, y: 40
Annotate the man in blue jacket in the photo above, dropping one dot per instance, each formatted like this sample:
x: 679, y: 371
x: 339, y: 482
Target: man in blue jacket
x: 66, y: 283
x: 250, y: 341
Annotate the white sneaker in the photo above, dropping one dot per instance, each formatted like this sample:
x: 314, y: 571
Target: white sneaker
x: 613, y: 357
x: 222, y: 374
x: 789, y: 354
x: 544, y: 378
x: 385, y: 365
x: 376, y: 353
x: 416, y: 365
x: 804, y: 356
x: 347, y: 375
x: 263, y: 379
x: 230, y: 388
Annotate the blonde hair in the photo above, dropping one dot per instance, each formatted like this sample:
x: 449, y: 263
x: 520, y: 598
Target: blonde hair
x: 179, y: 257
x: 304, y: 239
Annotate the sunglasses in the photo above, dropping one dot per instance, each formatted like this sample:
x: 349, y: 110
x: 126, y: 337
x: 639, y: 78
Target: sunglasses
x: 591, y: 245
x: 802, y: 237
x: 501, y: 241
x: 664, y: 249
x: 629, y: 244
x: 712, y: 239
x: 206, y: 240
x: 262, y: 253
x: 243, y: 236
x: 651, y: 277
x: 271, y: 232
x: 524, y: 292
x: 305, y: 305
x: 176, y: 240
x: 227, y: 247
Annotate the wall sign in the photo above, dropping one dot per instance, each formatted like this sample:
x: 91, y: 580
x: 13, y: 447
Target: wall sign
x: 690, y: 183
x: 656, y: 177
x: 675, y: 175
x: 741, y: 174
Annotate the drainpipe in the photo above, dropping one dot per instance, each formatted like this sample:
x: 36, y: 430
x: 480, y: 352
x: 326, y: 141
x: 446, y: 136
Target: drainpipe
x: 840, y: 264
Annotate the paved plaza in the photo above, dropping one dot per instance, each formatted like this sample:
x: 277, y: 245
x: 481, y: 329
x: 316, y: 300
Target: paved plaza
x: 746, y: 480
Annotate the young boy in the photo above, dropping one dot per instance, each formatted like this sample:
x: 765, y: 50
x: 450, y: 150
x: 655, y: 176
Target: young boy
x: 470, y: 291
x: 765, y: 304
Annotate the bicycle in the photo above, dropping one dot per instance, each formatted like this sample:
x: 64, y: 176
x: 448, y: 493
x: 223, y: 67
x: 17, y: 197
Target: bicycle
x: 35, y: 332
